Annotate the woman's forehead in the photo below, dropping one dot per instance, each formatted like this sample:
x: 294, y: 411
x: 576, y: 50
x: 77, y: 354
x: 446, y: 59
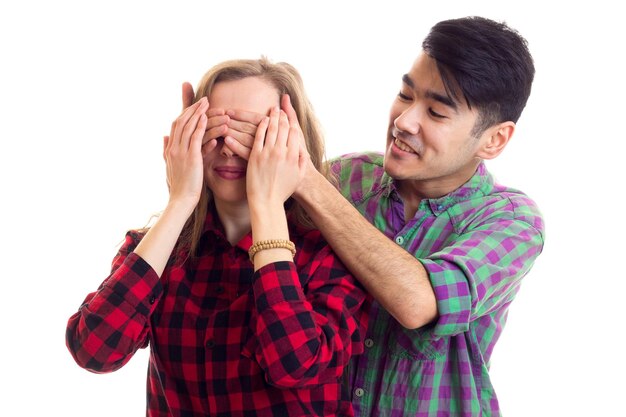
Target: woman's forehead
x: 251, y: 94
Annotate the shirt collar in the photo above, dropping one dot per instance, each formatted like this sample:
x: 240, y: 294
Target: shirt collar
x: 213, y: 226
x: 481, y: 183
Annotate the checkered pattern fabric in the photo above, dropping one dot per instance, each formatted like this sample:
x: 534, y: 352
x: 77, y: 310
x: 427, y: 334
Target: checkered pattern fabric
x: 224, y: 340
x: 477, y: 243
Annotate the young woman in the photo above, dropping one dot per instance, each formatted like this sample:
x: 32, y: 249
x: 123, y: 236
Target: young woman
x: 245, y: 308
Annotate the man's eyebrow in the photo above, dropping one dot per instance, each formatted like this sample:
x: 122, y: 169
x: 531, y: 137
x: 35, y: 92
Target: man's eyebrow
x: 444, y: 99
x: 408, y: 81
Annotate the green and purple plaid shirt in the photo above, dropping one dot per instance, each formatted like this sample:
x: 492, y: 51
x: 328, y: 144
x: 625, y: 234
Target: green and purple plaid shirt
x: 476, y: 243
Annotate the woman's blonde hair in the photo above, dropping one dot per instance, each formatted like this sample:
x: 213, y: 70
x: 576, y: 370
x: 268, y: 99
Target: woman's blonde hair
x: 286, y: 79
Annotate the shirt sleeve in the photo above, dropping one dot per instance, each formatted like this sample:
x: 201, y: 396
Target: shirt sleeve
x: 307, y: 334
x: 113, y: 322
x: 481, y: 271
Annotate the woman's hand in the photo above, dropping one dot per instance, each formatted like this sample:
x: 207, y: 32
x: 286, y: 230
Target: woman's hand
x: 237, y: 127
x: 274, y: 170
x: 183, y: 154
x: 272, y: 176
x: 182, y: 151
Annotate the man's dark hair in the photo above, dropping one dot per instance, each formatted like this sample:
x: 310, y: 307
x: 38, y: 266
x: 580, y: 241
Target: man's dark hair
x: 487, y: 62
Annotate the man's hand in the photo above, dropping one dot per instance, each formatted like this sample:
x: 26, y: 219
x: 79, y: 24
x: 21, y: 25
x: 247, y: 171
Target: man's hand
x: 188, y: 95
x: 242, y: 129
x: 308, y: 171
x: 237, y: 127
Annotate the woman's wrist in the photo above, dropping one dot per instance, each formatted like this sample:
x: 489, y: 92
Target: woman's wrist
x: 269, y: 225
x: 180, y: 207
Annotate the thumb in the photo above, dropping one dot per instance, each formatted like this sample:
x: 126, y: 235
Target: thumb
x: 166, y: 140
x: 188, y: 95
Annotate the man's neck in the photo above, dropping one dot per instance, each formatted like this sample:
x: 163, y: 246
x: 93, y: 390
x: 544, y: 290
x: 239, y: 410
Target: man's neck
x: 413, y: 192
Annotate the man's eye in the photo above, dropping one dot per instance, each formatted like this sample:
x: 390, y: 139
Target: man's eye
x: 403, y: 97
x: 435, y: 114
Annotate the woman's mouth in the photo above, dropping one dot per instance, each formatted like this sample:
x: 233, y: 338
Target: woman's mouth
x: 230, y: 172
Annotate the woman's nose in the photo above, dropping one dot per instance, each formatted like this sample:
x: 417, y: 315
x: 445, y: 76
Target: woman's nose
x: 226, y: 151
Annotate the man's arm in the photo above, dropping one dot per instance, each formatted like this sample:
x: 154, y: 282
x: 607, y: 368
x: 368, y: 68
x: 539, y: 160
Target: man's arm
x: 395, y: 278
x: 391, y: 275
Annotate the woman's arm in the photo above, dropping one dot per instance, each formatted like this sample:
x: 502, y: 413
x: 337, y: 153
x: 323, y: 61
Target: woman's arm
x: 306, y: 334
x: 112, y: 323
x: 183, y: 158
x: 308, y: 326
x: 273, y: 173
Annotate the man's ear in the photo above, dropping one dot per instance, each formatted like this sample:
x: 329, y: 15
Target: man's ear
x: 495, y: 140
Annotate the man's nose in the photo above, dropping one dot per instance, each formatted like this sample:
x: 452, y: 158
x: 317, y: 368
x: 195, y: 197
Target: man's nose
x: 409, y: 121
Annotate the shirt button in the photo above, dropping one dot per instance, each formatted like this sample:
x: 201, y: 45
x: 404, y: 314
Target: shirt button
x: 400, y: 240
x: 210, y: 344
x: 359, y: 392
x: 369, y: 343
x: 152, y: 299
x: 219, y: 290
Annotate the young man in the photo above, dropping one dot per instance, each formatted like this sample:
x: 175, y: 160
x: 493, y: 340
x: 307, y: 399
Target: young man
x: 424, y: 227
x: 440, y: 246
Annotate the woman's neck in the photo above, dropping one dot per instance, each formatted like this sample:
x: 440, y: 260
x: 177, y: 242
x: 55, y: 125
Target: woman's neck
x: 235, y: 218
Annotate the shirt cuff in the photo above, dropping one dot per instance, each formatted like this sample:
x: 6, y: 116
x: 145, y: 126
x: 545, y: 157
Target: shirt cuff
x: 275, y: 283
x: 454, y: 300
x: 136, y: 285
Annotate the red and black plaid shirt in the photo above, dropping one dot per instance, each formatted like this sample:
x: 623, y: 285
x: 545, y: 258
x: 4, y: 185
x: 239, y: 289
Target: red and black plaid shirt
x: 226, y: 341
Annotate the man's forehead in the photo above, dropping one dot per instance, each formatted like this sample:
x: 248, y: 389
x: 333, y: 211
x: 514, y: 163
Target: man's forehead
x: 429, y: 87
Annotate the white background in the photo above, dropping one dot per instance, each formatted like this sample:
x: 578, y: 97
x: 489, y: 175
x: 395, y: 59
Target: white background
x: 88, y: 89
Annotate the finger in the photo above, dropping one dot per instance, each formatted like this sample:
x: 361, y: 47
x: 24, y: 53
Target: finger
x: 214, y: 121
x: 208, y: 147
x: 165, y: 141
x: 272, y: 129
x: 215, y: 133
x: 283, y: 129
x: 246, y: 116
x: 181, y: 121
x: 259, y: 138
x: 195, y: 142
x: 192, y: 112
x: 237, y: 148
x: 285, y: 105
x: 188, y: 95
x: 244, y: 138
x: 243, y: 127
x: 214, y: 111
x: 294, y: 143
x: 192, y: 125
x: 245, y: 122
